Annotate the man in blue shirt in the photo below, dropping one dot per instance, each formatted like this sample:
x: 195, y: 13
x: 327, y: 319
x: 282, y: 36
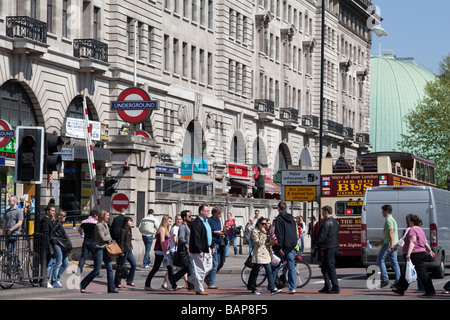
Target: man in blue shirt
x: 218, y: 237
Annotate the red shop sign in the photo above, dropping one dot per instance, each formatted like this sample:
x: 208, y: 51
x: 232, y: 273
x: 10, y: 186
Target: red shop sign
x: 238, y: 171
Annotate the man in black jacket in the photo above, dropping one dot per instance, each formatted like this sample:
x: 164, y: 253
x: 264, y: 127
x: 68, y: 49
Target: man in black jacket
x: 327, y: 241
x: 200, y: 248
x: 286, y: 233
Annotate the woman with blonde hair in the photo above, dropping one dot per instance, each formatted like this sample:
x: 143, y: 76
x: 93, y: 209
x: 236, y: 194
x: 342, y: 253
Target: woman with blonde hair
x: 62, y: 245
x: 102, y: 238
x: 161, y: 248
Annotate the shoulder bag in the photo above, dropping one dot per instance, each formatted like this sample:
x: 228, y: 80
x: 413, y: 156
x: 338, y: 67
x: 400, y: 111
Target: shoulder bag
x: 113, y: 249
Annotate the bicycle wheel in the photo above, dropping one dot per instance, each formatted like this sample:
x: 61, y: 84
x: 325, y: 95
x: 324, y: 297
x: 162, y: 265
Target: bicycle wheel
x: 303, y: 271
x: 245, y: 275
x: 32, y: 268
x: 7, y: 277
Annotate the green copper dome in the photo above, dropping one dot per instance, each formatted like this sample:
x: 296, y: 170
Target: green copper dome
x: 396, y: 87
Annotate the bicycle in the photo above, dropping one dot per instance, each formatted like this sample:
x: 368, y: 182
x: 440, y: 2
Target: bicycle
x: 302, y: 269
x: 12, y: 269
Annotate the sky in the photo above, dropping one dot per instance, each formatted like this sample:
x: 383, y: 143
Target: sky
x: 415, y: 28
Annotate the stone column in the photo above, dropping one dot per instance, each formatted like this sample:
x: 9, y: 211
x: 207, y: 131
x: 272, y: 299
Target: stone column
x: 133, y: 162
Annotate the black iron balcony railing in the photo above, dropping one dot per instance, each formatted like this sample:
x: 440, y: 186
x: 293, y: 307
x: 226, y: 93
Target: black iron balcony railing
x: 265, y: 105
x: 289, y: 114
x: 348, y: 133
x: 363, y: 138
x: 26, y: 27
x: 335, y: 127
x: 310, y: 121
x: 90, y: 49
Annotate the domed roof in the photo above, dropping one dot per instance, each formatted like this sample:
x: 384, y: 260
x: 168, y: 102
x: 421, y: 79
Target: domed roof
x: 396, y: 86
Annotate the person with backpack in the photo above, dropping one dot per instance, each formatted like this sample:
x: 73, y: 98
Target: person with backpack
x: 148, y: 226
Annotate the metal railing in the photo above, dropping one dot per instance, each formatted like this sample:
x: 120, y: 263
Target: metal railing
x: 289, y: 114
x: 90, y: 49
x: 21, y: 259
x: 265, y: 105
x: 26, y: 27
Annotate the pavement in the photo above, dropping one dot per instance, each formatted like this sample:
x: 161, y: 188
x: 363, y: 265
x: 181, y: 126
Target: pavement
x: 70, y: 281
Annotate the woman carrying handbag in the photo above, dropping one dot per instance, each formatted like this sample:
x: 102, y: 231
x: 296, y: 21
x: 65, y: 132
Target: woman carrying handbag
x: 102, y: 238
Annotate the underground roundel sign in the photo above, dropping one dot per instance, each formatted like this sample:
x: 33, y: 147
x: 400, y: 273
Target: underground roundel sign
x: 134, y: 105
x: 6, y: 133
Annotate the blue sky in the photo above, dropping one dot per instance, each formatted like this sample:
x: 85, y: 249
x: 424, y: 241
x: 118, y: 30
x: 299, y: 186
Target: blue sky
x: 416, y: 28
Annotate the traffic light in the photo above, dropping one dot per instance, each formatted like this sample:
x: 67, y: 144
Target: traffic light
x: 53, y: 144
x: 29, y: 154
x: 109, y: 189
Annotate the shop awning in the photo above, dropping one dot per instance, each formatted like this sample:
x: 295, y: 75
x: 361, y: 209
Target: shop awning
x: 271, y: 187
x: 248, y: 183
x: 207, y: 178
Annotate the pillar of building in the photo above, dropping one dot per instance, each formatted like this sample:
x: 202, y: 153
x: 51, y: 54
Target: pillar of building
x: 133, y: 161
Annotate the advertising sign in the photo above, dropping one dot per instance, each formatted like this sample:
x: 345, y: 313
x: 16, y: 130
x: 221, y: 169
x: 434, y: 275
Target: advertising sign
x: 239, y: 171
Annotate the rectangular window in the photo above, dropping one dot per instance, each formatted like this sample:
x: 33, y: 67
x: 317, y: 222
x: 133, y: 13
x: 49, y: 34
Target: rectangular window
x: 151, y: 35
x: 130, y: 36
x: 185, y: 59
x: 210, y: 14
x: 166, y: 52
x: 64, y: 18
x: 139, y: 40
x: 193, y: 63
x: 202, y: 66
x: 95, y: 27
x: 50, y: 16
x: 210, y: 68
x: 175, y: 56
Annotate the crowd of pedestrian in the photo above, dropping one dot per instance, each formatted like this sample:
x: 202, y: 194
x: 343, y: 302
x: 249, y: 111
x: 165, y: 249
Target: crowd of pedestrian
x: 196, y: 249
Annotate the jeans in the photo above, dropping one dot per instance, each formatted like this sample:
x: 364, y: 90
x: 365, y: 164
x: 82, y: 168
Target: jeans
x: 60, y: 263
x: 231, y: 238
x: 382, y: 265
x: 148, y: 241
x: 121, y: 260
x: 251, y: 285
x: 217, y: 263
x: 88, y: 246
x: 289, y: 257
x: 99, y: 256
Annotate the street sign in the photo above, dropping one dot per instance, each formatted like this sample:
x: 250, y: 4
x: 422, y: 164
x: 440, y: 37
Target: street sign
x: 120, y: 201
x: 300, y: 193
x: 300, y: 177
x: 134, y: 105
x: 143, y: 133
x: 6, y: 133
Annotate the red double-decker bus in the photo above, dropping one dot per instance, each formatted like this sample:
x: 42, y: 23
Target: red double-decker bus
x: 344, y: 182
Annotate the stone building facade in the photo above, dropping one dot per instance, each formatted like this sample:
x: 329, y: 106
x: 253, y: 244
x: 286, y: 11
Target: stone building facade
x: 238, y: 85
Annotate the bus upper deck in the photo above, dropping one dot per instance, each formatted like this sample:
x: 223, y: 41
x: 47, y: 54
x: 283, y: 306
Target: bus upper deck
x: 399, y: 163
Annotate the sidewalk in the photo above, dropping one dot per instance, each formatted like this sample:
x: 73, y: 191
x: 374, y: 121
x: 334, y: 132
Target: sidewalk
x: 70, y: 281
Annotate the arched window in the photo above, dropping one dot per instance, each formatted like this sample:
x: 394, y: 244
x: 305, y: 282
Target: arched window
x: 194, y: 147
x: 76, y: 111
x: 16, y: 106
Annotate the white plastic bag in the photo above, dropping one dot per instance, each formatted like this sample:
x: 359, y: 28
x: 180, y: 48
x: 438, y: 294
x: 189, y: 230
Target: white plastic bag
x: 411, y: 274
x: 275, y: 260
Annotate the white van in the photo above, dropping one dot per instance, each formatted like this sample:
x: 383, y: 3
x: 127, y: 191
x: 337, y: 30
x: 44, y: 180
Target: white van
x: 432, y: 205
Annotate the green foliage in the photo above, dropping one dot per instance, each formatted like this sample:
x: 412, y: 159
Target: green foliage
x: 429, y: 125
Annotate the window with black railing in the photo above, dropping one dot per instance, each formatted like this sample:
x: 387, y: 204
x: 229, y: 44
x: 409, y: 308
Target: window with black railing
x: 90, y: 49
x: 265, y: 105
x: 26, y: 27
